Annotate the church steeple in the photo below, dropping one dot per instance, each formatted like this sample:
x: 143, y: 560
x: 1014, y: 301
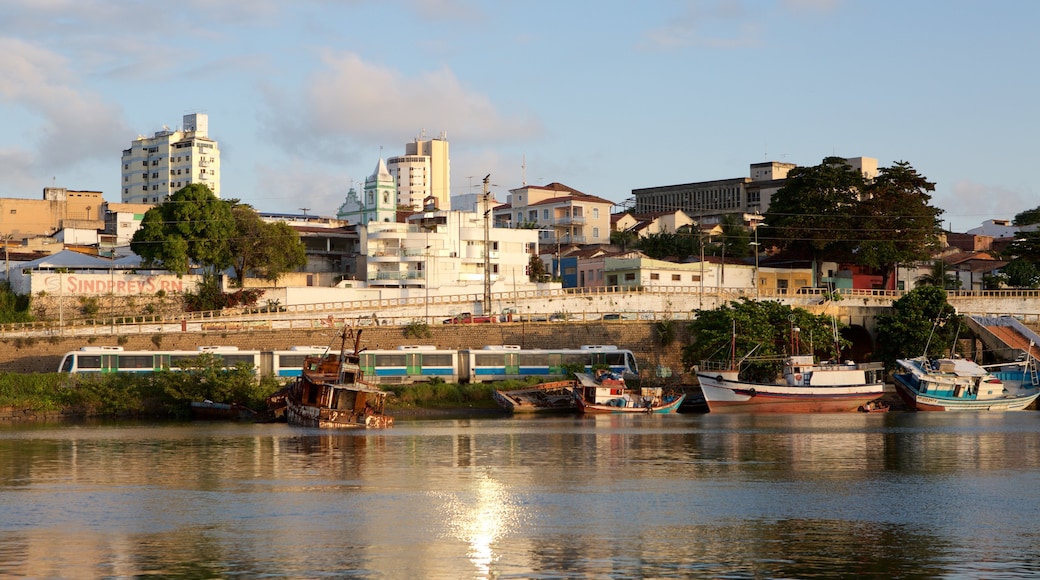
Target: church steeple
x: 380, y: 198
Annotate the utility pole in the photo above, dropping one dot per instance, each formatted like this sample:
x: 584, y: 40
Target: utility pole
x: 487, y: 246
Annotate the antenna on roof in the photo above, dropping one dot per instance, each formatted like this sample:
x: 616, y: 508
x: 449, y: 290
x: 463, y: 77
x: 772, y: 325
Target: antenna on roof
x: 523, y: 171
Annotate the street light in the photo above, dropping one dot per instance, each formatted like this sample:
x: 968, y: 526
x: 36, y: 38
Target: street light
x: 755, y: 243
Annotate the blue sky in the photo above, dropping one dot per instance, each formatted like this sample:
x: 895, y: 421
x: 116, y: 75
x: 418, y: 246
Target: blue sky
x: 305, y: 96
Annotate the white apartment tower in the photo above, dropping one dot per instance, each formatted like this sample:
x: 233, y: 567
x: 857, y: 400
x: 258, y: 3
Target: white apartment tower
x: 155, y: 167
x: 424, y: 171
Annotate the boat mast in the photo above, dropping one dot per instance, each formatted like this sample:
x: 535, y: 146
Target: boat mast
x: 733, y: 348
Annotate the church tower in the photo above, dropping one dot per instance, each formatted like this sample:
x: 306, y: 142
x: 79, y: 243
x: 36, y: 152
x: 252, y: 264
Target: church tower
x: 380, y: 198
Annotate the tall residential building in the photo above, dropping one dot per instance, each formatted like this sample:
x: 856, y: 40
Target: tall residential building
x: 424, y: 171
x: 155, y: 167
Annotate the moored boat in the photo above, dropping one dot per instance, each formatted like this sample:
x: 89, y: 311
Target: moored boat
x: 331, y: 393
x: 875, y: 407
x: 954, y: 384
x: 804, y: 387
x: 606, y: 392
x: 553, y: 397
x: 208, y: 410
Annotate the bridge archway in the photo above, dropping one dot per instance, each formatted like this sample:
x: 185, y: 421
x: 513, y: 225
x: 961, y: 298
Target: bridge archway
x: 862, y: 343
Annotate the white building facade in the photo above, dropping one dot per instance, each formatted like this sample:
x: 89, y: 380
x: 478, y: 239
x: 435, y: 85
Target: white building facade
x: 155, y: 167
x: 446, y: 249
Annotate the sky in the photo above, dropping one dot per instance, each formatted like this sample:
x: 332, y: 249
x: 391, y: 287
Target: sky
x: 305, y: 96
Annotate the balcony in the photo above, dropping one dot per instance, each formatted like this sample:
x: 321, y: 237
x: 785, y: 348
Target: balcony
x: 390, y: 276
x: 566, y: 220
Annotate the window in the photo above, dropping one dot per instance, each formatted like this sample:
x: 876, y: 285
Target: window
x: 629, y: 277
x: 595, y: 232
x: 545, y: 214
x: 676, y: 278
x: 595, y: 213
x: 655, y: 276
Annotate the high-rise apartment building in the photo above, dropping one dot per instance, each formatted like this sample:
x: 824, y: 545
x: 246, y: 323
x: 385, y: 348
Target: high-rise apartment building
x: 154, y: 167
x: 424, y: 171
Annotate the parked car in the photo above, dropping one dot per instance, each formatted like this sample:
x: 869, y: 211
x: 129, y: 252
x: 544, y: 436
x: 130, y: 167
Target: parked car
x: 468, y: 318
x: 612, y: 316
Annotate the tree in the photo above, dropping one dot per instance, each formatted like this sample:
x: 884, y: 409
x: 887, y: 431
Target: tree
x: 735, y: 240
x: 1028, y: 217
x: 681, y: 244
x: 536, y: 269
x: 831, y: 210
x: 896, y: 222
x: 1020, y: 273
x: 922, y: 322
x: 764, y: 327
x: 1025, y: 247
x: 265, y: 250
x: 939, y: 277
x: 192, y: 226
x: 814, y: 210
x: 623, y: 239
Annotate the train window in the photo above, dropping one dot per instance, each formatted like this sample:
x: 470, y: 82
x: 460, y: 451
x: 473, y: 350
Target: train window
x: 528, y: 359
x: 391, y: 360
x: 614, y: 358
x: 139, y: 361
x: 488, y: 360
x: 578, y: 358
x: 88, y: 361
x: 231, y: 360
x: 66, y: 364
x: 291, y: 360
x: 436, y: 360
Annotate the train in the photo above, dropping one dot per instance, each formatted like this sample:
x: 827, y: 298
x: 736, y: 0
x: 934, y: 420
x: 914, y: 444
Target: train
x: 403, y: 365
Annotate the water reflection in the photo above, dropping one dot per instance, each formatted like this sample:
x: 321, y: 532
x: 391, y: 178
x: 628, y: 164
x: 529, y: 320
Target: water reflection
x: 565, y: 497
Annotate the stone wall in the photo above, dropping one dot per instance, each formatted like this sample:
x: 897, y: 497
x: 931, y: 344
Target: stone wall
x: 28, y: 355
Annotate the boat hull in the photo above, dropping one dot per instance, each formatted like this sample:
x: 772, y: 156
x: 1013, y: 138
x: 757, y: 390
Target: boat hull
x: 922, y: 402
x: 591, y: 408
x: 323, y: 418
x: 726, y: 396
x: 555, y: 397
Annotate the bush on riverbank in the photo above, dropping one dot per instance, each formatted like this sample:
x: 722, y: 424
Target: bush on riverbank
x: 169, y: 394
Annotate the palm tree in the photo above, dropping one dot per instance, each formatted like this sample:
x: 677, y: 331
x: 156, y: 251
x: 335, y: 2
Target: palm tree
x: 940, y: 277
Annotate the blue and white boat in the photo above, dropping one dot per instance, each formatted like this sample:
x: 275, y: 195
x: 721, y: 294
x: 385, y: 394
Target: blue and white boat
x: 954, y: 384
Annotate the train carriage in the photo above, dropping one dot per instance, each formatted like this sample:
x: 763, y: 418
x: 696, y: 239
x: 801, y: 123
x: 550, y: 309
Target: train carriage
x: 113, y: 359
x: 403, y: 365
x: 410, y: 364
x: 504, y: 362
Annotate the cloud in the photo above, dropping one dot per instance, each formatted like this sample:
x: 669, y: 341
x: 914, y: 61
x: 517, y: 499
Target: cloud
x: 968, y: 204
x: 296, y: 184
x: 707, y: 23
x: 811, y: 5
x: 353, y: 103
x: 75, y: 125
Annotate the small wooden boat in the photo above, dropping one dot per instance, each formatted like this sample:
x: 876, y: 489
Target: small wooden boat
x: 874, y: 407
x: 554, y: 397
x: 331, y: 393
x: 208, y: 410
x: 606, y: 392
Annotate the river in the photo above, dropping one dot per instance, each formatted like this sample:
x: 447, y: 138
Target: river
x: 679, y: 496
